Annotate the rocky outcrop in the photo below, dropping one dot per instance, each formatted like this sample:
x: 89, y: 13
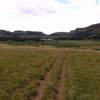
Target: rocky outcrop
x: 21, y: 35
x: 90, y: 32
x: 29, y: 35
x: 58, y: 35
x: 5, y: 35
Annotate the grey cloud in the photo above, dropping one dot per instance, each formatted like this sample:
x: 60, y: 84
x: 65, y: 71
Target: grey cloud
x: 27, y: 10
x: 36, y: 11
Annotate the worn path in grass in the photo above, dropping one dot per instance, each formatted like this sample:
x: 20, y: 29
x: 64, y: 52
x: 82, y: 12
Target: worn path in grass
x: 40, y: 89
x: 69, y: 77
x: 61, y: 89
x: 60, y: 94
x: 43, y: 84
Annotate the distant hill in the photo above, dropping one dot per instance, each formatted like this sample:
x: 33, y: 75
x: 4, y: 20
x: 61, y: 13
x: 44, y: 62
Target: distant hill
x: 29, y: 35
x: 90, y: 32
x: 21, y: 35
x: 58, y: 35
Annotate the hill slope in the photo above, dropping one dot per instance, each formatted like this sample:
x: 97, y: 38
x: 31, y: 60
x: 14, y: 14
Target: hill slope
x: 21, y: 35
x: 90, y: 32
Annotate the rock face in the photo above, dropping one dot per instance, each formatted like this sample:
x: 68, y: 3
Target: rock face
x: 90, y: 32
x: 5, y: 35
x: 29, y: 35
x: 58, y: 35
x: 22, y: 35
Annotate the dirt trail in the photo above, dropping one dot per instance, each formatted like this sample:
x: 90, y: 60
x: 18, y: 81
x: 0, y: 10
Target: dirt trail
x: 41, y: 88
x: 69, y: 75
x: 61, y: 92
x: 43, y: 84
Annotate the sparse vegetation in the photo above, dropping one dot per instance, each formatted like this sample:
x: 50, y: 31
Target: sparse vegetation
x: 51, y: 88
x: 59, y: 44
x: 82, y: 76
x: 24, y: 68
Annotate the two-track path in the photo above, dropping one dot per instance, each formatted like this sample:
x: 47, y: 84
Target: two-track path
x: 61, y: 83
x: 43, y: 84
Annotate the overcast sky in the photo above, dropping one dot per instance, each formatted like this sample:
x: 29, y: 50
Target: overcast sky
x: 48, y: 15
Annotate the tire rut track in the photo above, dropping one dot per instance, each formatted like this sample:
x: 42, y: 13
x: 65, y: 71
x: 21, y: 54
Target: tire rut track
x: 69, y: 90
x: 43, y: 84
x: 61, y: 89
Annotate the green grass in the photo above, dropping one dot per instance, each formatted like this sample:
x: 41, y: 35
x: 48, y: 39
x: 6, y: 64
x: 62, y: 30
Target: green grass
x: 51, y: 88
x: 82, y: 44
x: 22, y: 68
x: 82, y: 76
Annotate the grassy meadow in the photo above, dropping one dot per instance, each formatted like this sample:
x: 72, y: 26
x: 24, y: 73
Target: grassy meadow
x: 82, y: 44
x: 49, y: 73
